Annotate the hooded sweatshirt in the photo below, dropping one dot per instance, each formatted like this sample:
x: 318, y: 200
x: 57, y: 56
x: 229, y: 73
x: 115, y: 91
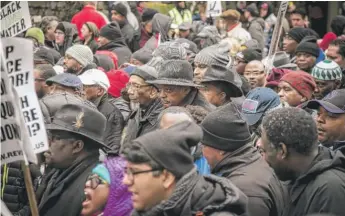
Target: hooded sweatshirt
x: 321, y: 188
x: 160, y: 29
x: 201, y: 195
x: 71, y: 35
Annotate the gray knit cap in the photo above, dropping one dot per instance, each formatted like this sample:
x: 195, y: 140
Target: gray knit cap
x: 146, y: 72
x: 81, y: 54
x: 171, y: 50
x: 175, y: 72
x: 327, y: 70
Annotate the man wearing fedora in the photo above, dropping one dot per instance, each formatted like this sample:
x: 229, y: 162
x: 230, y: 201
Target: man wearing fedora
x: 176, y: 87
x: 75, y: 136
x: 218, y: 85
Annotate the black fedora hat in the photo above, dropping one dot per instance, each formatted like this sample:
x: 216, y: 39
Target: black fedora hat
x: 82, y: 120
x: 218, y: 73
x: 175, y: 72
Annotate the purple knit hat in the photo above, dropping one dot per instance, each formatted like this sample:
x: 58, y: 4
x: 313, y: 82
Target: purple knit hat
x: 119, y: 201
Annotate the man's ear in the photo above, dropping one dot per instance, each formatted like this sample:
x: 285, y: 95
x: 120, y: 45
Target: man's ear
x: 100, y: 91
x: 337, y: 84
x: 153, y: 92
x: 77, y: 146
x: 168, y: 179
x: 304, y: 99
x: 283, y: 151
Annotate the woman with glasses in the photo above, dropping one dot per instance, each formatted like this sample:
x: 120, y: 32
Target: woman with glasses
x: 105, y: 195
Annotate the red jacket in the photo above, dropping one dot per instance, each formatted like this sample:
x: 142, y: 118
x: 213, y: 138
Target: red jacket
x: 88, y: 14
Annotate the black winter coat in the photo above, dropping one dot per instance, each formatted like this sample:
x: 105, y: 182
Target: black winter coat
x: 120, y: 48
x: 115, y: 124
x: 197, y: 195
x: 131, y: 36
x: 246, y: 169
x: 195, y: 98
x: 13, y: 191
x: 140, y: 123
x: 321, y: 188
x: 61, y: 192
x: 122, y: 105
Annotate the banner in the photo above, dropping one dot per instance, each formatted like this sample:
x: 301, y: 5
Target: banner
x: 15, y: 18
x: 214, y: 8
x: 19, y: 66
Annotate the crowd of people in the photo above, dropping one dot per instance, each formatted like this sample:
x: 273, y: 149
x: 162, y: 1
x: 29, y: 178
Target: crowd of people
x: 178, y: 114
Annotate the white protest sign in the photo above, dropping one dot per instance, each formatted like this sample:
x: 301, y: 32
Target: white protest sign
x: 19, y: 64
x: 214, y: 8
x: 14, y: 137
x: 15, y: 18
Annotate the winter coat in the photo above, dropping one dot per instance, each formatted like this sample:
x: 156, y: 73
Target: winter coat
x: 197, y: 195
x: 321, y: 188
x: 61, y: 192
x: 256, y: 29
x: 122, y: 105
x: 195, y: 98
x: 141, y: 122
x: 119, y: 47
x: 71, y: 37
x: 115, y: 123
x: 339, y: 145
x: 246, y: 169
x: 131, y: 36
x: 92, y: 44
x: 53, y: 102
x: 160, y: 30
x: 13, y: 191
x: 239, y: 33
x: 88, y: 14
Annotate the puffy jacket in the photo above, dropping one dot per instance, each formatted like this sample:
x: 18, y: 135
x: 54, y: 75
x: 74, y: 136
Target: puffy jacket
x: 131, y: 36
x: 246, y: 169
x: 197, y: 195
x: 13, y: 191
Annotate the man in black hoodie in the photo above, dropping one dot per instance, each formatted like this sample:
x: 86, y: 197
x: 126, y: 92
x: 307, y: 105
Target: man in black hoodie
x: 161, y: 176
x: 316, y: 174
x: 118, y: 14
x: 230, y: 153
x: 111, y: 38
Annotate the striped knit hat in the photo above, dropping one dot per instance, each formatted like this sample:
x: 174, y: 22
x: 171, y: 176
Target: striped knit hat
x: 327, y: 70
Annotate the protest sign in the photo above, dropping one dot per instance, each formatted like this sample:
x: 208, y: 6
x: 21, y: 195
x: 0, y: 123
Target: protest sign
x: 15, y: 18
x: 19, y: 66
x: 214, y: 8
x: 14, y: 137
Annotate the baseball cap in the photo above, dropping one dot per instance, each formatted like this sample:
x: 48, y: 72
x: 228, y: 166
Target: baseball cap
x: 185, y: 26
x: 258, y: 102
x: 95, y: 77
x: 334, y: 102
x: 65, y: 79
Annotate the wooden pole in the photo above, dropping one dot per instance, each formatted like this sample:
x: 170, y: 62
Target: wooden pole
x: 30, y: 189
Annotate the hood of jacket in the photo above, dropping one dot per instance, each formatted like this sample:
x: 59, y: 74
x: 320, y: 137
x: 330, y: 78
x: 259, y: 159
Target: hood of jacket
x: 201, y: 195
x: 338, y: 25
x: 258, y: 21
x: 112, y: 45
x: 161, y: 24
x: 237, y: 159
x: 71, y: 35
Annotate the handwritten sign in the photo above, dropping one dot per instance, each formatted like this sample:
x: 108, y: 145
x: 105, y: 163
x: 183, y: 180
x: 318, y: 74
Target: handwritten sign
x: 19, y: 66
x: 213, y: 8
x: 15, y: 18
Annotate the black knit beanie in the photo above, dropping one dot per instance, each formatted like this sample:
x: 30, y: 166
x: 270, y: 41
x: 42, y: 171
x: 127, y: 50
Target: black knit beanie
x: 297, y: 34
x: 225, y: 129
x: 308, y: 47
x: 60, y: 27
x: 170, y: 147
x: 148, y: 14
x: 120, y: 9
x: 111, y: 31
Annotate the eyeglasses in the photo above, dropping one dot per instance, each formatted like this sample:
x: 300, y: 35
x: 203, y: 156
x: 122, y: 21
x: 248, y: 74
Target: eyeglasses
x: 135, y: 86
x: 95, y: 180
x: 167, y: 89
x: 255, y: 74
x: 130, y: 173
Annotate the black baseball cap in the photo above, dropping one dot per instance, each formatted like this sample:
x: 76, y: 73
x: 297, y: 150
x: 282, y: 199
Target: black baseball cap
x: 334, y: 102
